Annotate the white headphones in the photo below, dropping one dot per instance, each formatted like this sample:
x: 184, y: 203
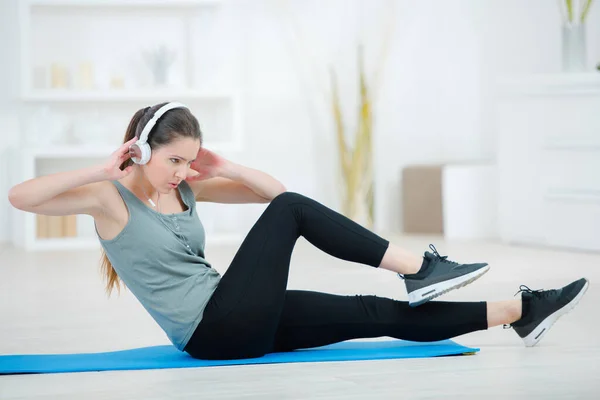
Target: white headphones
x: 140, y: 151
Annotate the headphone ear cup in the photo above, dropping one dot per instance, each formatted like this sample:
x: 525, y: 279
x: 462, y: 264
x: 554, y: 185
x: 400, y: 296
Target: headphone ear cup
x: 146, y: 153
x: 140, y: 153
x: 135, y: 152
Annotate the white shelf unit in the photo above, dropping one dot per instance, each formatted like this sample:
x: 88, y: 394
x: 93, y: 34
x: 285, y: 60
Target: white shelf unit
x: 27, y: 8
x: 217, y: 107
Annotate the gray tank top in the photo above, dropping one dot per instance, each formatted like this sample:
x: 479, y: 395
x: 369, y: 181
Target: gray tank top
x: 160, y: 257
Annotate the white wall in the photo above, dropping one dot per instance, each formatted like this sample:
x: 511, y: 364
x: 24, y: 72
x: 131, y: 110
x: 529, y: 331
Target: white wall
x: 436, y: 99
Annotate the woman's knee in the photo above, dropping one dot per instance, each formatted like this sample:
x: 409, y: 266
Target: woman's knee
x: 287, y: 198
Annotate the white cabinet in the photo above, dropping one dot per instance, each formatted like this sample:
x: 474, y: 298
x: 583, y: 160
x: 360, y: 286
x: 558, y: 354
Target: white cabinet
x: 548, y: 137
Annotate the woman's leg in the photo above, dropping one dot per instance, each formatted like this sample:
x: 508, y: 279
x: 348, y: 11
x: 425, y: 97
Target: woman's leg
x: 312, y: 319
x: 504, y: 312
x: 242, y: 316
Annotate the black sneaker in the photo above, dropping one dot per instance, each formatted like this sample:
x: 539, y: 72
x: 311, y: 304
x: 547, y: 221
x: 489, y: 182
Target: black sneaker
x: 541, y: 309
x: 438, y: 275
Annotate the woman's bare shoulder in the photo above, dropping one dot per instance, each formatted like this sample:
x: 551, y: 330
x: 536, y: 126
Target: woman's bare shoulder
x: 114, y: 215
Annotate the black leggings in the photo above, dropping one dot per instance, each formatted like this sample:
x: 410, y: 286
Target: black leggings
x: 251, y: 313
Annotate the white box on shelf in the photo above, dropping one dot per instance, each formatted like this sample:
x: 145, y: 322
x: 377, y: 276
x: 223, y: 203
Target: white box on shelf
x: 469, y: 201
x: 456, y: 200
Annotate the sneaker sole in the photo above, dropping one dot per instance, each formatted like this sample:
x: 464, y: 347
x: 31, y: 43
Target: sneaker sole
x: 538, y: 333
x: 428, y: 293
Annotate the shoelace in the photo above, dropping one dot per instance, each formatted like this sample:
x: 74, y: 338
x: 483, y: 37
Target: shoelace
x: 443, y: 258
x: 541, y: 293
x: 438, y: 255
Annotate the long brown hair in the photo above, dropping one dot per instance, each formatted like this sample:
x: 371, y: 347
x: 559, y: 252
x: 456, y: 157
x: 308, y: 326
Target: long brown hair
x: 174, y: 124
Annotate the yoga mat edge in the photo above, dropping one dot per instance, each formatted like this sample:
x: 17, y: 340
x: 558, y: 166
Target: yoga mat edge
x: 166, y: 356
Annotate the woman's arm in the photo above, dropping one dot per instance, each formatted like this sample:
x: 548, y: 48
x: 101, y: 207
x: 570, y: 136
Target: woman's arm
x: 71, y: 192
x: 259, y: 182
x: 235, y: 183
x: 63, y: 193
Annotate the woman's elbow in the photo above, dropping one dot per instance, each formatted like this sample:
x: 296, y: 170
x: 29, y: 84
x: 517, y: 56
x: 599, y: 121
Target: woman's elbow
x: 282, y: 189
x: 13, y: 198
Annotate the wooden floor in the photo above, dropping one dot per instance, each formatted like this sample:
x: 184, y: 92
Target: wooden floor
x: 54, y: 303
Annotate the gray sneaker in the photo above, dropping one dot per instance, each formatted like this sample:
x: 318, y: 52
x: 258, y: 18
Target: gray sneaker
x: 542, y: 308
x: 439, y: 275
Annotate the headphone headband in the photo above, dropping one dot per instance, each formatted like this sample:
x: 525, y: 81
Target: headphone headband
x: 159, y: 113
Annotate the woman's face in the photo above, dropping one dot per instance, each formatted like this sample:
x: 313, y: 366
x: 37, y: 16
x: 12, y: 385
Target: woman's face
x: 170, y: 164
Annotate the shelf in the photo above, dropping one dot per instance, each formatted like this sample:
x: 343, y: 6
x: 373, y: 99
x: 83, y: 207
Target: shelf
x: 156, y: 95
x: 74, y: 151
x: 60, y: 152
x: 541, y: 84
x: 65, y: 244
x: 124, y: 3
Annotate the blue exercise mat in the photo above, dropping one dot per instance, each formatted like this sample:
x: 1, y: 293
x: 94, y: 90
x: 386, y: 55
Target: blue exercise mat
x: 157, y: 357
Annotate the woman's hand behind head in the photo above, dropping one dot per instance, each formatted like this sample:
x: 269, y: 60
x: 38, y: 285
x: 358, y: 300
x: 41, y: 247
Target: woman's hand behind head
x: 112, y: 168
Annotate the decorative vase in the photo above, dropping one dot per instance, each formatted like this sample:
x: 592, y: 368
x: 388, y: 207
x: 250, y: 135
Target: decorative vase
x: 573, y: 48
x: 160, y: 61
x: 574, y: 14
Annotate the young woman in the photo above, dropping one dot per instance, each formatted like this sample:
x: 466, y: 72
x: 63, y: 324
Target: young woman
x: 143, y: 201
